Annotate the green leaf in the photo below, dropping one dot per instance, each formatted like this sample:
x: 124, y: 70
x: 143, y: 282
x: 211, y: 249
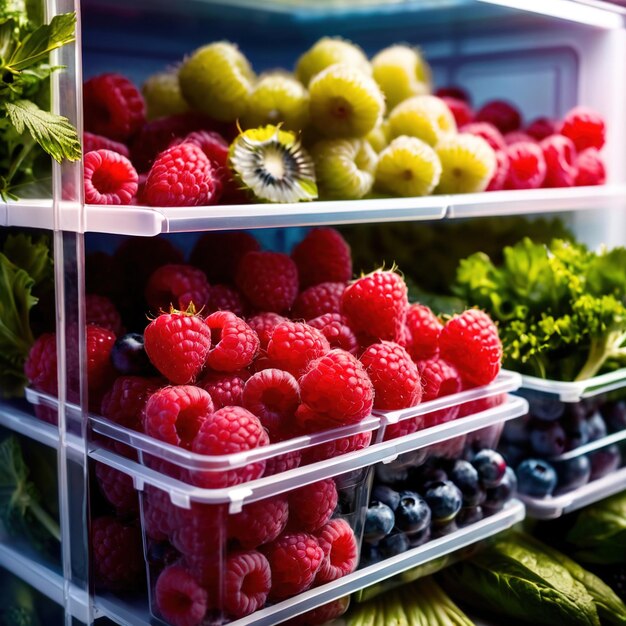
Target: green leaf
x: 31, y: 256
x: 7, y: 38
x: 36, y: 47
x: 52, y: 132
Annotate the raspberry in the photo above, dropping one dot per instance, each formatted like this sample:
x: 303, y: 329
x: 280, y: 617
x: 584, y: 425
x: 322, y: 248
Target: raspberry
x: 199, y: 530
x: 335, y: 328
x: 503, y: 115
x: 336, y: 447
x: 273, y: 396
x: 454, y: 92
x: 177, y: 344
x: 470, y: 342
x: 323, y: 256
x: 179, y: 598
x: 591, y: 169
x: 541, y: 128
x: 117, y: 554
x: 259, y: 522
x: 41, y: 364
x: 395, y: 377
x: 178, y: 286
x: 113, y: 106
x: 229, y: 430
x: 118, y: 489
x: 403, y: 428
x: 560, y: 156
x: 224, y: 298
x: 93, y: 142
x: 461, y: 110
x: 439, y: 379
x: 295, y: 559
x: 527, y: 167
x: 269, y: 280
x: 487, y: 131
x: 282, y: 463
x: 311, y: 506
x: 376, y: 304
x: 322, y: 614
x: 100, y: 372
x: 102, y: 312
x: 498, y: 180
x: 482, y: 404
x: 181, y: 176
x: 424, y: 329
x: 125, y: 401
x: 294, y: 345
x: 517, y: 136
x: 159, y: 514
x: 341, y: 552
x: 176, y: 414
x: 218, y: 254
x: 584, y: 127
x: 235, y: 344
x: 225, y: 389
x: 110, y: 178
x: 144, y: 255
x: 263, y: 325
x: 212, y: 144
x: 335, y: 391
x: 247, y: 583
x: 318, y: 300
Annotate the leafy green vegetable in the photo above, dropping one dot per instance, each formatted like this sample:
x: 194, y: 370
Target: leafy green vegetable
x: 17, y: 603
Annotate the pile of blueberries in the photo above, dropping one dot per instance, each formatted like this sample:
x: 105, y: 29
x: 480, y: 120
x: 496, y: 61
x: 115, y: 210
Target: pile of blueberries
x: 541, y: 445
x: 411, y: 504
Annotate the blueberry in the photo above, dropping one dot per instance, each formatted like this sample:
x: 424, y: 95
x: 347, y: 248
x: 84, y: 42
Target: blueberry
x: 515, y: 431
x: 543, y: 406
x: 469, y: 515
x: 428, y: 473
x: 390, y: 474
x: 548, y: 439
x: 605, y: 461
x: 536, y: 478
x: 513, y: 454
x: 596, y: 426
x: 498, y: 496
x: 577, y: 432
x: 573, y: 473
x: 465, y: 476
x: 129, y: 356
x: 379, y: 522
x: 445, y: 500
x: 444, y: 528
x: 412, y: 514
x: 386, y: 495
x: 394, y: 544
x: 490, y: 466
x: 369, y: 555
x: 614, y: 414
x: 420, y: 538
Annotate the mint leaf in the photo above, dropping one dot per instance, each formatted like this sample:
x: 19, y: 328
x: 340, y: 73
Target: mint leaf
x: 52, y: 132
x: 31, y: 256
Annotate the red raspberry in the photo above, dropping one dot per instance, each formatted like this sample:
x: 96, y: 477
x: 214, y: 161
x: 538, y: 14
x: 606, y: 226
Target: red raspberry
x: 341, y: 552
x: 591, y: 169
x: 229, y: 430
x: 212, y: 144
x: 335, y: 328
x: 102, y: 312
x: 100, y: 371
x: 487, y: 131
x: 93, y: 142
x: 527, y: 167
x: 41, y: 364
x: 295, y: 559
x: 282, y: 463
x: 263, y: 325
x: 125, y: 401
x: 323, y: 256
x: 176, y: 414
x: 199, y: 530
x: 224, y: 298
x: 517, y: 136
x: 206, y: 570
x: 482, y: 404
x: 311, y: 506
x: 560, y: 156
x: 225, y: 389
x: 117, y: 553
x: 424, y: 329
x: 179, y: 598
x: 336, y: 447
x: 247, y: 583
x: 318, y: 300
x: 461, y: 110
x: 498, y: 180
x: 113, y: 106
x: 584, y: 127
x: 177, y: 344
x: 118, y: 489
x: 178, y: 286
x: 269, y: 280
x: 470, y: 342
x: 503, y: 115
x: 273, y: 396
x: 294, y: 345
x: 541, y: 128
x: 46, y: 414
x: 335, y: 391
x: 454, y: 91
x: 403, y: 428
x: 376, y: 305
x: 159, y: 514
x: 322, y: 614
x: 439, y: 379
x: 109, y: 177
x: 218, y: 254
x: 144, y: 255
x: 235, y: 344
x: 259, y: 522
x: 181, y: 176
x: 395, y: 377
